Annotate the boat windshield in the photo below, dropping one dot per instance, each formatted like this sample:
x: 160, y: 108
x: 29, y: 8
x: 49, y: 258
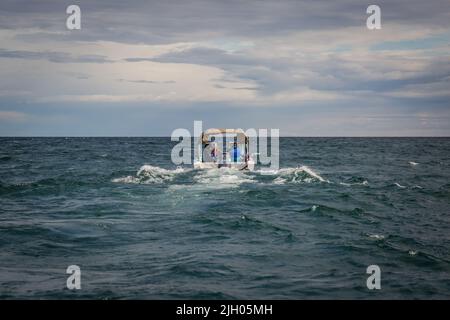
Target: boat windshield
x: 224, y: 148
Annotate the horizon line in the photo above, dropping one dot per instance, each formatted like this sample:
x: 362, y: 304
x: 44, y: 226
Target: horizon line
x: 161, y: 136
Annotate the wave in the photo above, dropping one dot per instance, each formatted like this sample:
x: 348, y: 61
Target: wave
x: 55, y: 185
x: 149, y: 174
x: 223, y: 177
x: 349, y: 184
x: 301, y: 174
x: 331, y: 212
x: 399, y: 185
x: 376, y: 236
x: 364, y: 183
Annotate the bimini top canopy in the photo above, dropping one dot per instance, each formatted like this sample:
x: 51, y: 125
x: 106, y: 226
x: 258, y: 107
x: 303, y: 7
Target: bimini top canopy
x: 238, y: 133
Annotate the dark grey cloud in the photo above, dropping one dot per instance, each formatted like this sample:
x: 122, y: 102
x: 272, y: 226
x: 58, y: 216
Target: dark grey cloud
x: 270, y: 75
x: 348, y: 78
x: 201, y: 55
x: 170, y: 21
x: 335, y: 74
x: 57, y: 57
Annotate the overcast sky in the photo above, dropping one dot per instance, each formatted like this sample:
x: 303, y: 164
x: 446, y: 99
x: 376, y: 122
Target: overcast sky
x: 145, y: 68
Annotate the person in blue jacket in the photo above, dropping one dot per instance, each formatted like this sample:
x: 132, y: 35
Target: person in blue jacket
x: 235, y: 153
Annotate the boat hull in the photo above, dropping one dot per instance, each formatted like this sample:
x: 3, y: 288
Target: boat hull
x: 250, y: 165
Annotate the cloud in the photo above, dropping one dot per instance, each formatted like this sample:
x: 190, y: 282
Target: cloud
x: 201, y: 55
x: 56, y: 57
x: 156, y: 22
x: 294, y: 69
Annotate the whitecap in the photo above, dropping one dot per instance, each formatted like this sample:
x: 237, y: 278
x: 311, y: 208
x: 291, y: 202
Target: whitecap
x: 300, y: 174
x: 399, y: 185
x: 279, y: 180
x: 127, y: 179
x: 149, y: 169
x: 267, y: 171
x: 364, y: 183
x: 148, y: 174
x: 413, y: 163
x: 376, y: 236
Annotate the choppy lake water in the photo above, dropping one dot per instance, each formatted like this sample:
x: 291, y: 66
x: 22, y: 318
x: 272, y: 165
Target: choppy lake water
x: 139, y: 227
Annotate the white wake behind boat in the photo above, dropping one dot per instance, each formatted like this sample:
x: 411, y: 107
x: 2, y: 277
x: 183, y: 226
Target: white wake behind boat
x: 229, y: 148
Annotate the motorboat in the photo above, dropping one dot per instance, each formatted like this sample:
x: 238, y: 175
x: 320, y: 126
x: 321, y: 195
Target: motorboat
x: 229, y: 148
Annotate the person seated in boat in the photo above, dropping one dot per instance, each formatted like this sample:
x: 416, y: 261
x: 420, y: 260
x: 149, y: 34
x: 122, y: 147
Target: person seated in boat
x: 211, y: 151
x: 214, y: 151
x: 235, y: 153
